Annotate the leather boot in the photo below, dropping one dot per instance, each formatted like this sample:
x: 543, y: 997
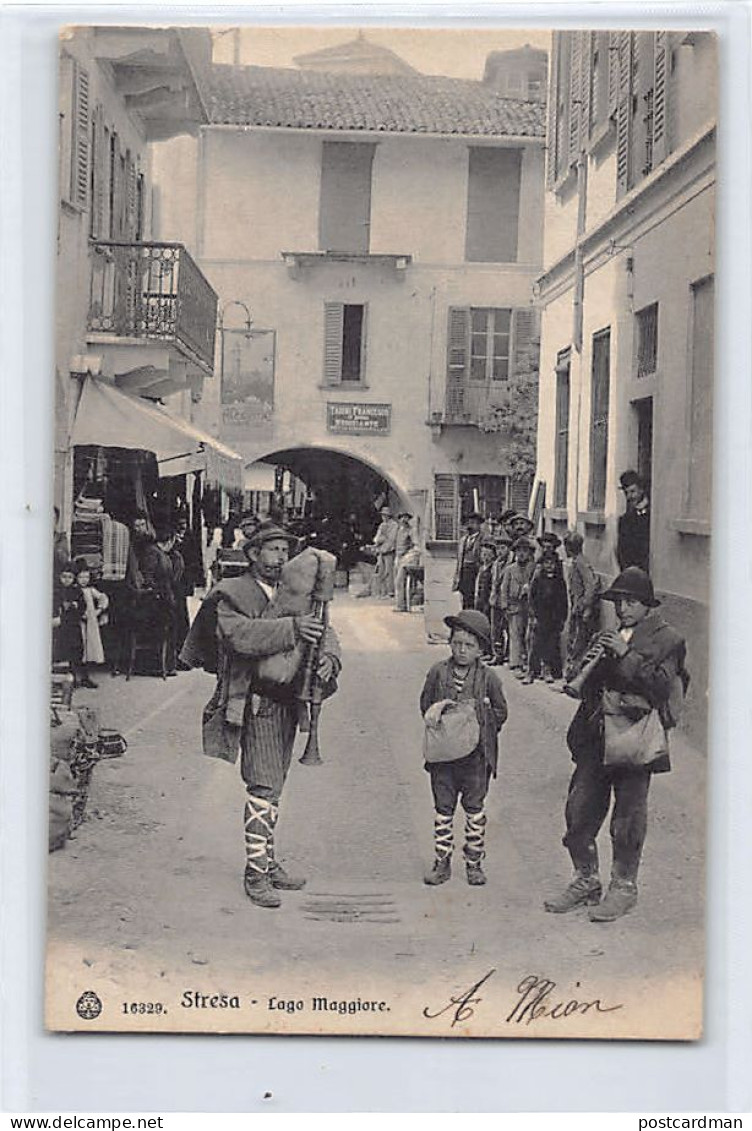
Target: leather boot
x: 584, y: 889
x: 259, y: 890
x: 440, y: 873
x: 620, y: 898
x: 281, y: 879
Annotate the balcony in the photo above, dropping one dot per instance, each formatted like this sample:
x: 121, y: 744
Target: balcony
x: 466, y: 404
x: 153, y: 316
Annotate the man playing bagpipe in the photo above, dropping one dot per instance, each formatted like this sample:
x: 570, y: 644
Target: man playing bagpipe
x: 253, y: 631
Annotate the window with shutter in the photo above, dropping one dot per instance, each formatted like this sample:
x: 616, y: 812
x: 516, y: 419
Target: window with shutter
x: 345, y: 202
x: 553, y: 90
x: 661, y: 147
x: 599, y: 408
x: 624, y: 113
x: 81, y: 127
x: 344, y: 343
x: 458, y: 353
x: 561, y: 450
x: 75, y: 126
x: 493, y: 205
x: 613, y: 72
x: 99, y: 167
x: 525, y: 331
x: 561, y: 138
x: 131, y: 217
x: 700, y: 447
x: 575, y: 96
x: 445, y: 508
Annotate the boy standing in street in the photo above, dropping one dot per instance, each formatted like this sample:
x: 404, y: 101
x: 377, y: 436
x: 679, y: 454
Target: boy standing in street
x: 513, y: 598
x: 464, y: 679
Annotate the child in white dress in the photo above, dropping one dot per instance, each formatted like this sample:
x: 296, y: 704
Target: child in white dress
x: 96, y: 604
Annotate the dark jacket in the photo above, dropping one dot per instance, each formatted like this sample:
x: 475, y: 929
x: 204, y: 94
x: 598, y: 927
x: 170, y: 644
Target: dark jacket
x: 548, y: 600
x: 633, y: 539
x: 653, y: 668
x: 481, y: 684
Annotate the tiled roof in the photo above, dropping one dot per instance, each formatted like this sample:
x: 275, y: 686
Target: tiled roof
x: 422, y: 104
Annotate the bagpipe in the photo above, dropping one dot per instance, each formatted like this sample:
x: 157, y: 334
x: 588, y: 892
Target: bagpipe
x: 306, y: 586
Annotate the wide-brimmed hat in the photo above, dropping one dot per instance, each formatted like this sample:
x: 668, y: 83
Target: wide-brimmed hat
x: 474, y: 517
x: 549, y: 539
x: 523, y: 543
x: 472, y: 621
x: 634, y: 583
x: 521, y: 518
x: 267, y: 532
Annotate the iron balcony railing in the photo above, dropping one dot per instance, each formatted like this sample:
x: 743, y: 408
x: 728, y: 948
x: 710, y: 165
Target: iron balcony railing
x: 153, y: 291
x: 467, y: 403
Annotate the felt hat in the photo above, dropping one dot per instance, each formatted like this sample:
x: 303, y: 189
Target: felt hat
x: 632, y: 582
x: 523, y: 543
x: 549, y: 541
x: 518, y: 518
x: 267, y: 532
x: 474, y: 517
x: 490, y: 543
x: 472, y: 621
x: 503, y: 539
x: 574, y: 538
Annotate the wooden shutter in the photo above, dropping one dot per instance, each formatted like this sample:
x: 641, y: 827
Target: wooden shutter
x: 613, y: 73
x: 660, y: 115
x: 131, y: 217
x: 334, y: 317
x: 575, y: 83
x: 586, y: 80
x: 524, y: 330
x: 624, y: 113
x: 81, y: 127
x: 445, y: 507
x: 553, y: 98
x: 458, y: 359
x: 99, y: 167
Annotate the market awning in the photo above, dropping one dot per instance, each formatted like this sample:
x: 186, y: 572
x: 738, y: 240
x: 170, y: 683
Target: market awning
x: 108, y: 418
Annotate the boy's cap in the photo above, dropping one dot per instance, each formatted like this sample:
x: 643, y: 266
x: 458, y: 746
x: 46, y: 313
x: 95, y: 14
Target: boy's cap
x: 489, y: 544
x: 549, y: 541
x: 472, y: 621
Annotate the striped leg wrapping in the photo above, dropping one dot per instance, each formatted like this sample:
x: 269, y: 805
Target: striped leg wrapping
x: 258, y: 820
x: 443, y: 836
x: 475, y: 837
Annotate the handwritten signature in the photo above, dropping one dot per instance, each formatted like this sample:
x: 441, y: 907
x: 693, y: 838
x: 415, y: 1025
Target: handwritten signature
x: 536, y: 999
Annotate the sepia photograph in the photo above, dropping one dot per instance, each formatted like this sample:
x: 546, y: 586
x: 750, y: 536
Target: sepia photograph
x: 383, y: 402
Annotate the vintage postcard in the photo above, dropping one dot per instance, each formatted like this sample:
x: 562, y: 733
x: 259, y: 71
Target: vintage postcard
x: 383, y: 403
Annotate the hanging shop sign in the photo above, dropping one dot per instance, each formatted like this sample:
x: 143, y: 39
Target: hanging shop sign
x: 359, y: 419
x: 247, y: 384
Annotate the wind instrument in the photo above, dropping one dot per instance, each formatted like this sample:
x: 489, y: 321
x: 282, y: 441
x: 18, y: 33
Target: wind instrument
x: 589, y: 662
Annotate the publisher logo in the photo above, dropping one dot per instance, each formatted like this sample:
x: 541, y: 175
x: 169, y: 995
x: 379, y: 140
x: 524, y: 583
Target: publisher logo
x: 88, y: 1006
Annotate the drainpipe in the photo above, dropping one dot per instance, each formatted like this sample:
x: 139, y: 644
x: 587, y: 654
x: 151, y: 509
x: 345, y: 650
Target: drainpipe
x: 577, y: 309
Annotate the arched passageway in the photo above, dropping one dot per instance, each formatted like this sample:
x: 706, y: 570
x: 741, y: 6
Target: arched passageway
x: 340, y: 485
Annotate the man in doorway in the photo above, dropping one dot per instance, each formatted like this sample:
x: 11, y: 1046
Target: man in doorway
x: 385, y: 544
x: 259, y: 715
x: 633, y: 540
x: 468, y: 561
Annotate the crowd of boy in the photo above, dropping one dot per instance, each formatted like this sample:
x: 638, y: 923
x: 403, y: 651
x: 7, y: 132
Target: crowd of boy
x: 520, y: 585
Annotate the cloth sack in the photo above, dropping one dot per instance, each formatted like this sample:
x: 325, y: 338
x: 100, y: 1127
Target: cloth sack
x: 632, y: 731
x: 452, y: 730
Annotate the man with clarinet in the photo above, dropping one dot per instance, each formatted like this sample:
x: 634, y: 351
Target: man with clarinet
x: 263, y: 649
x: 631, y: 683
